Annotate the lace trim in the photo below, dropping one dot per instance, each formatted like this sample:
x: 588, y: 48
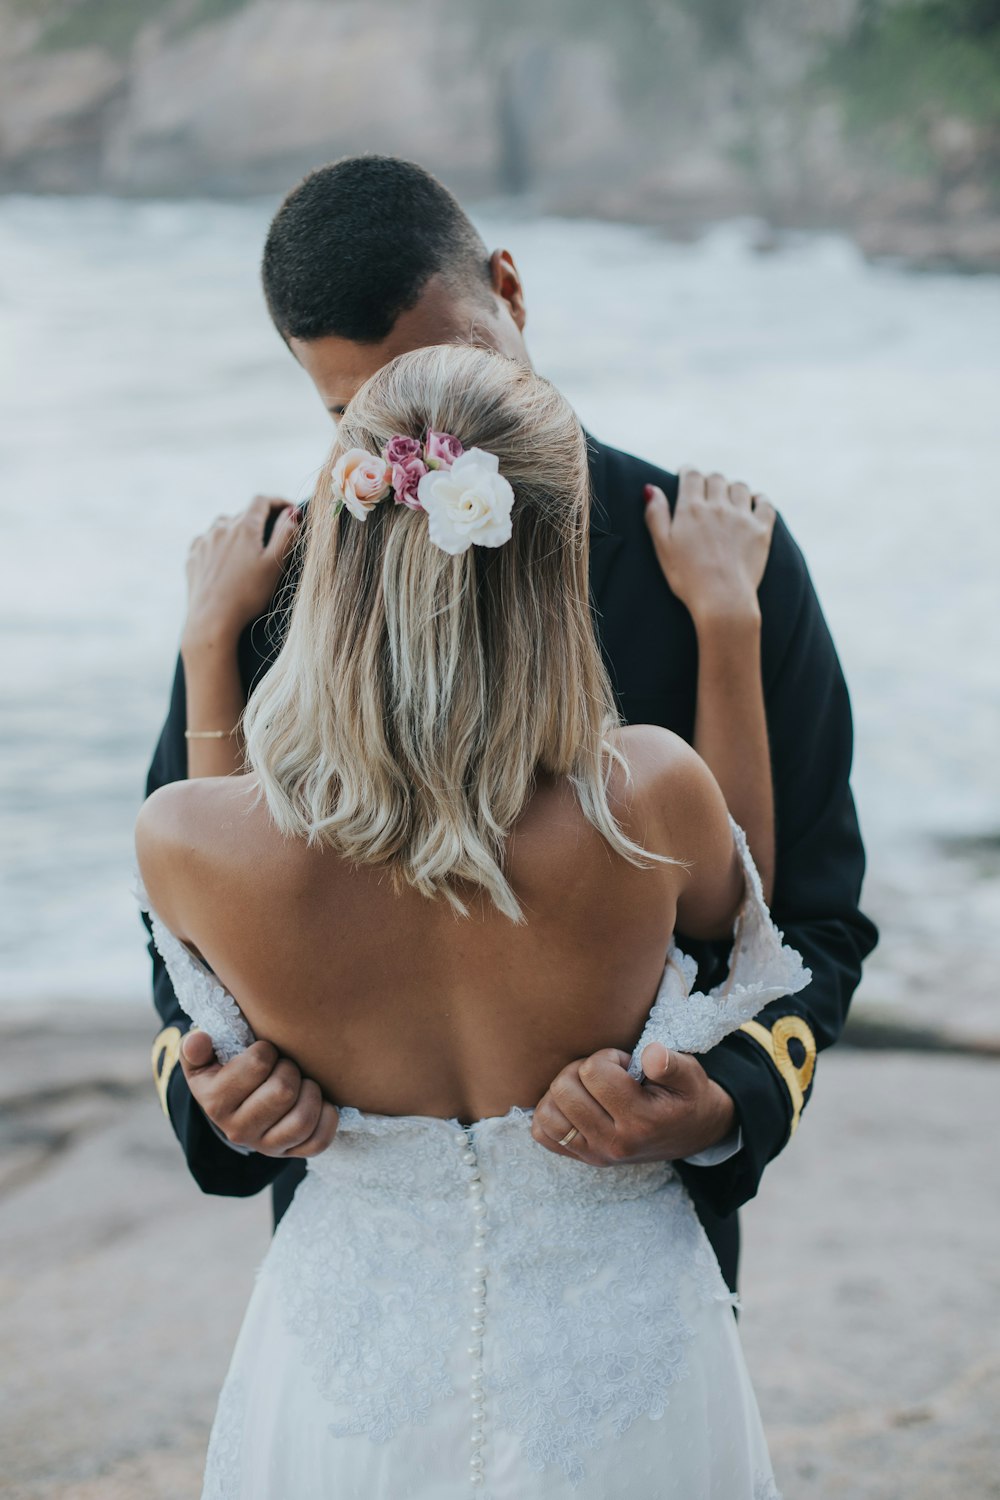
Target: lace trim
x: 764, y: 1488
x: 761, y: 968
x: 201, y: 994
x: 224, y: 1460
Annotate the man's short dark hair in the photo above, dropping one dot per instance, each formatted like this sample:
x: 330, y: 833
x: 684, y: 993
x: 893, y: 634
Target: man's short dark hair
x: 356, y: 242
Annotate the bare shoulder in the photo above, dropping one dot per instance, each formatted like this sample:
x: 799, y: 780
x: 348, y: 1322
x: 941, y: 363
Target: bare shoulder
x: 179, y: 810
x: 668, y: 779
x: 179, y: 828
x: 676, y: 803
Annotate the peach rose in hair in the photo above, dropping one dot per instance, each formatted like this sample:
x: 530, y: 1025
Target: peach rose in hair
x: 361, y: 480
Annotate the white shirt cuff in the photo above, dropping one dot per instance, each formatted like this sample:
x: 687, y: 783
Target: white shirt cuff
x: 243, y: 1150
x: 714, y: 1156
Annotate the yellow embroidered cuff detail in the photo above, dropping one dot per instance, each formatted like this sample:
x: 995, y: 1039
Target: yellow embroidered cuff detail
x: 166, y: 1051
x: 795, y: 1076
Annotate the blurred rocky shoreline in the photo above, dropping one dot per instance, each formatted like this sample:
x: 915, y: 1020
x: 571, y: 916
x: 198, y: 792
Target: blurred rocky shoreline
x: 677, y: 116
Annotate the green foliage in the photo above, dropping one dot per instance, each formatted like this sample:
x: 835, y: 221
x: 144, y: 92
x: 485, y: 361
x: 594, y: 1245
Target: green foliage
x: 721, y: 24
x: 115, y: 24
x: 205, y: 12
x: 112, y: 24
x: 907, y: 68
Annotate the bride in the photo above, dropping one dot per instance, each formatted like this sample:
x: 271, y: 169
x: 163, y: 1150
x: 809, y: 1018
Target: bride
x: 449, y: 872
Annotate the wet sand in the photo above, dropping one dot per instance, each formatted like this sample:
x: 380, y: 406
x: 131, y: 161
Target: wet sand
x: 871, y: 1279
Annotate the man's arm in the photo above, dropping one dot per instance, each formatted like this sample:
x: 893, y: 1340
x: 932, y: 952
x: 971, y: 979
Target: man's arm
x: 768, y: 1066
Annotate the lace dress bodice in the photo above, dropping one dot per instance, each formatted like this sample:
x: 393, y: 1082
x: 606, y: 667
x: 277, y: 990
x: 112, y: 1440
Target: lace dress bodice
x: 420, y: 1255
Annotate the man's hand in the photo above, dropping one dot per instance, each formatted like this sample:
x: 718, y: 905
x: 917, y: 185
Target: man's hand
x: 259, y: 1099
x: 676, y: 1113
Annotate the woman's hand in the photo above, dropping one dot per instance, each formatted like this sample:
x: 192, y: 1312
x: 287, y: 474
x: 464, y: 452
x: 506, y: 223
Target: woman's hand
x: 714, y: 548
x: 232, y: 574
x: 232, y: 578
x: 713, y: 551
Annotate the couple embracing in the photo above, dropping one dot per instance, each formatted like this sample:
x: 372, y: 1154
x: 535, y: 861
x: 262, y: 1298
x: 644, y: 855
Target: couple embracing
x: 481, y: 772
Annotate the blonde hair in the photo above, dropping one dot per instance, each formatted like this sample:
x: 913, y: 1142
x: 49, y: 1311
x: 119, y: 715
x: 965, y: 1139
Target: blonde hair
x: 417, y: 694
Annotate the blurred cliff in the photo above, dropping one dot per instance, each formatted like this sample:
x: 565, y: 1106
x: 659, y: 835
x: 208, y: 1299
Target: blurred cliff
x: 880, y: 116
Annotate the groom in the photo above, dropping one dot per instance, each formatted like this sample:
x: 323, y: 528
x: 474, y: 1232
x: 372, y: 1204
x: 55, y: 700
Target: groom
x: 366, y: 259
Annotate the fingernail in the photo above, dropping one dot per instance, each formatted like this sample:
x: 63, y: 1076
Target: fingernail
x: 649, y: 492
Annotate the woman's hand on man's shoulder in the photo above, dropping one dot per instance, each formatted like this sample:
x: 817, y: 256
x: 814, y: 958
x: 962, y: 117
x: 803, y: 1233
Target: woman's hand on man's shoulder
x: 713, y: 547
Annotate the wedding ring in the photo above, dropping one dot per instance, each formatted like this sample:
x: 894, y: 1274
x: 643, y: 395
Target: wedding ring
x: 570, y: 1135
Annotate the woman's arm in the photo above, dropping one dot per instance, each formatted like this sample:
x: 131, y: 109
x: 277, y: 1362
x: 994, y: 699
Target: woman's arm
x: 713, y: 551
x: 215, y: 705
x: 731, y: 731
x: 232, y: 576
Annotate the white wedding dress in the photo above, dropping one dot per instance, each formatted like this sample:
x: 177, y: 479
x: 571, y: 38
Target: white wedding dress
x: 449, y: 1312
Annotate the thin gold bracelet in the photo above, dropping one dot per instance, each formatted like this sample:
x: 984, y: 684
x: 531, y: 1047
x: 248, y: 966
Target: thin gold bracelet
x: 208, y: 734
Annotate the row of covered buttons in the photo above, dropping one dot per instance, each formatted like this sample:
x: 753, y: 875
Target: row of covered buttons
x: 478, y: 1326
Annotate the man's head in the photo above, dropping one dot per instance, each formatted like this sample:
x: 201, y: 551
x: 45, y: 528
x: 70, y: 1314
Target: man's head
x: 371, y: 257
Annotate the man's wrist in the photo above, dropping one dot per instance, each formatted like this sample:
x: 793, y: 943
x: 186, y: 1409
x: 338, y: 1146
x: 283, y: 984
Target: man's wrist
x: 714, y: 1156
x: 243, y: 1150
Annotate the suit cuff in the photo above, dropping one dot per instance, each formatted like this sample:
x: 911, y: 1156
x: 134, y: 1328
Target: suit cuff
x: 243, y: 1150
x: 714, y: 1156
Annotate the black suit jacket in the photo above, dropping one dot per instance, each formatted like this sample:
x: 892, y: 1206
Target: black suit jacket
x: 649, y: 645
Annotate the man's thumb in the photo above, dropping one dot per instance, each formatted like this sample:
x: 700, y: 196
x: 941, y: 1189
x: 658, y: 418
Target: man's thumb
x: 655, y: 1062
x: 197, y: 1050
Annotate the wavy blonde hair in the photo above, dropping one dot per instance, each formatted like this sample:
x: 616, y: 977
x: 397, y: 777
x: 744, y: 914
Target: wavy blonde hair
x: 417, y: 695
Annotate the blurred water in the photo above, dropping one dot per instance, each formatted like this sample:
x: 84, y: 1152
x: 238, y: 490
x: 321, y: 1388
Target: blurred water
x: 144, y: 391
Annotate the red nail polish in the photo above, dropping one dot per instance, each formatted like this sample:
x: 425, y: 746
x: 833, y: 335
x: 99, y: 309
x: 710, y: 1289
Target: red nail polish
x: 648, y: 491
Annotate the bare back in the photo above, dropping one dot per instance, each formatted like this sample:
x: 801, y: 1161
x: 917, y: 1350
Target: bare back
x: 393, y: 1002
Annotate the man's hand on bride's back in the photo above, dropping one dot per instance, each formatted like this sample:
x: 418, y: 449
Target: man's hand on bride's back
x: 678, y: 1111
x: 259, y: 1099
x: 714, y: 548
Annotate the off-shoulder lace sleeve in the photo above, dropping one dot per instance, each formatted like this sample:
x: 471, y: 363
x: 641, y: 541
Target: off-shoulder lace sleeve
x: 201, y: 995
x: 761, y: 968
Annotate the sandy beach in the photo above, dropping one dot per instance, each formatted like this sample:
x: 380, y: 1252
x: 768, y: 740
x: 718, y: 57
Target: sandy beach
x: 871, y: 1285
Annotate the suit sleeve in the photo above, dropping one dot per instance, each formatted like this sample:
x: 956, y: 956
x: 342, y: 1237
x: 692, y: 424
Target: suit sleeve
x: 215, y: 1165
x: 768, y: 1065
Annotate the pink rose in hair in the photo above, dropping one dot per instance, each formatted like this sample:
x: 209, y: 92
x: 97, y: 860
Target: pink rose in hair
x: 399, y: 449
x: 441, y: 449
x: 406, y: 476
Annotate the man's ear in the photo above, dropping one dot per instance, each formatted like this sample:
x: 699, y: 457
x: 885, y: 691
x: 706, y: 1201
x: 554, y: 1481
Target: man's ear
x: 506, y: 280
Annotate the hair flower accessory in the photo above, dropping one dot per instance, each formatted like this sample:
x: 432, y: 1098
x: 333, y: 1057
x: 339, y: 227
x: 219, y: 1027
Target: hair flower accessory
x: 441, y: 449
x: 467, y: 500
x: 360, y: 481
x: 406, y: 456
x: 469, y: 503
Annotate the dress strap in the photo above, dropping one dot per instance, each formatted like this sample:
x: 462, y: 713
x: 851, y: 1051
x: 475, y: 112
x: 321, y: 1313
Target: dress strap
x: 201, y: 994
x: 762, y: 968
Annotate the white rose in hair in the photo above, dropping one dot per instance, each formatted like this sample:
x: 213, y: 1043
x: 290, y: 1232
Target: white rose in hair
x: 470, y: 503
x: 361, y: 480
